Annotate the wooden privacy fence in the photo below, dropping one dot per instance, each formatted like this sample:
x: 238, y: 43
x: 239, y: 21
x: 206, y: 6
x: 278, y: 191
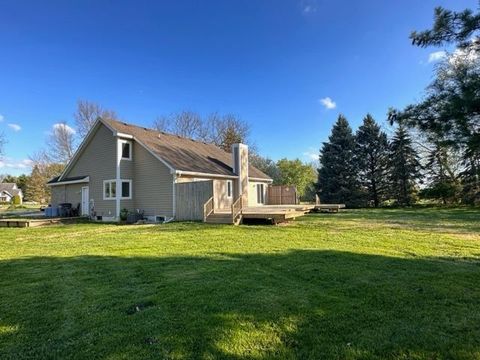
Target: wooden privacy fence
x: 282, y: 195
x: 190, y: 197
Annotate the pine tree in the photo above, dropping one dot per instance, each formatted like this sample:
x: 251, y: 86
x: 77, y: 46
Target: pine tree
x: 372, y: 154
x: 443, y: 181
x: 337, y: 176
x: 404, y: 167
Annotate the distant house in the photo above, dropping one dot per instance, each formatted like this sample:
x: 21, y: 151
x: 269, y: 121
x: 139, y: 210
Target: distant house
x: 8, y: 191
x: 121, y: 166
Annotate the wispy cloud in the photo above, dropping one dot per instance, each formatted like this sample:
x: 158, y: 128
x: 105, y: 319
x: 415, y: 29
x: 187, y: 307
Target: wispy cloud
x: 2, y: 118
x: 309, y: 6
x: 311, y: 154
x: 12, y: 164
x: 437, y: 56
x: 63, y: 126
x: 15, y: 127
x: 328, y: 103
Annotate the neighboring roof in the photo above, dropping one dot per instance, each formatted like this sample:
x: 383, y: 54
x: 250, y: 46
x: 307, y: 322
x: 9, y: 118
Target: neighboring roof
x: 6, y: 192
x: 56, y: 180
x: 183, y: 154
x: 10, y: 188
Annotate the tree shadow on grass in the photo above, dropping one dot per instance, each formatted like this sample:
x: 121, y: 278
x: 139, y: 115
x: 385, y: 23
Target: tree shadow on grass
x: 299, y: 304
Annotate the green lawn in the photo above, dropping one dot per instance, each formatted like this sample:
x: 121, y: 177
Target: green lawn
x: 399, y: 284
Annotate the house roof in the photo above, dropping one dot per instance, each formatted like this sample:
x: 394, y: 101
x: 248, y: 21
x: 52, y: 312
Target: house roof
x: 183, y: 154
x: 10, y: 188
x: 68, y: 179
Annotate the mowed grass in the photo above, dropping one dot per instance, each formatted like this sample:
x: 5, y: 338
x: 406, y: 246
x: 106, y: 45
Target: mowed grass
x: 395, y: 284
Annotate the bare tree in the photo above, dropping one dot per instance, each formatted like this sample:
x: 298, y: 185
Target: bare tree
x: 229, y: 130
x: 61, y: 143
x: 186, y: 124
x: 86, y: 115
x: 221, y: 130
x: 3, y: 141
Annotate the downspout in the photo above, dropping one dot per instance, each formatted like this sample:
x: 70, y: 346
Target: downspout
x: 118, y: 186
x: 174, y: 200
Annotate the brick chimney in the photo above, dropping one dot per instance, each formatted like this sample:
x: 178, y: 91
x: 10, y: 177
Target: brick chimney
x: 240, y: 168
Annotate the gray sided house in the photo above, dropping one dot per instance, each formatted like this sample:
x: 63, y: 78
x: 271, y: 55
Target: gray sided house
x: 122, y: 166
x: 8, y: 191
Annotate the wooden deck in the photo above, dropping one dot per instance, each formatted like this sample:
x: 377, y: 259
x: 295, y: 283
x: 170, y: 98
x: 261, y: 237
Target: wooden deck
x: 273, y: 213
x: 22, y: 223
x: 329, y: 207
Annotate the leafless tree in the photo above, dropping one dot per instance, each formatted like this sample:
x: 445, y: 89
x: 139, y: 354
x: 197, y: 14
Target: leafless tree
x: 86, y: 115
x: 186, y: 124
x: 221, y: 130
x: 3, y: 141
x: 61, y: 143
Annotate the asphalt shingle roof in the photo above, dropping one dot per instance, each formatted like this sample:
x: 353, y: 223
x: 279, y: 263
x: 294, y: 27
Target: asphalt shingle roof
x: 184, y: 154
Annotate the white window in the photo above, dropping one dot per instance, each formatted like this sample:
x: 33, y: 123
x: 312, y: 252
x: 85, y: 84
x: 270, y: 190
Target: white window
x: 126, y: 147
x: 260, y: 194
x: 110, y: 189
x: 229, y: 188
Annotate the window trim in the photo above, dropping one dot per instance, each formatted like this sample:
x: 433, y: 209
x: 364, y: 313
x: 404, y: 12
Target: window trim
x: 229, y: 189
x: 129, y: 181
x: 116, y: 190
x: 121, y: 149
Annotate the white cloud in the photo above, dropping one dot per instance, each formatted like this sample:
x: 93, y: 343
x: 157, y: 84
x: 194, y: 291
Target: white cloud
x: 311, y: 155
x: 2, y: 118
x: 15, y: 127
x: 9, y: 163
x: 61, y: 126
x: 328, y: 103
x: 437, y: 56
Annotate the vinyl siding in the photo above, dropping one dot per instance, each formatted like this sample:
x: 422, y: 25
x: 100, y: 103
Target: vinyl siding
x: 152, y: 184
x: 252, y: 193
x: 71, y: 193
x: 220, y: 195
x: 97, y: 161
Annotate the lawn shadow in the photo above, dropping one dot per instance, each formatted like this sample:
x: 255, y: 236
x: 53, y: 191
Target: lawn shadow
x: 298, y: 304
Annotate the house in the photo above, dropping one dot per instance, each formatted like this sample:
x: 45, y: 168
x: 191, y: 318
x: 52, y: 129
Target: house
x: 122, y: 166
x: 8, y: 192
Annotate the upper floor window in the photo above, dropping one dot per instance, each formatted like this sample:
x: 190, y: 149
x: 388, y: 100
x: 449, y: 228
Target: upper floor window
x: 126, y: 150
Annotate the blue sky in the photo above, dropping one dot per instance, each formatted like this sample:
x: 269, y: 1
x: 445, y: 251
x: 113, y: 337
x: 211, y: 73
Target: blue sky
x: 271, y: 62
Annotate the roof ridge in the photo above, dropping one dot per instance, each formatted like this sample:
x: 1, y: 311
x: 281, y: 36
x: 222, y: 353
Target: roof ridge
x: 162, y: 132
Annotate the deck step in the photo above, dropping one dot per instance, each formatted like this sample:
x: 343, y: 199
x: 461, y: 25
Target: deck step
x: 219, y: 218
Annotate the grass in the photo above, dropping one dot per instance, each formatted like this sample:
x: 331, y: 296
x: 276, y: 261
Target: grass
x: 396, y: 284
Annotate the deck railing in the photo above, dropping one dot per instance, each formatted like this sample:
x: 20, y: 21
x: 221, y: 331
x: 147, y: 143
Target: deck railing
x: 237, y: 209
x: 208, y: 208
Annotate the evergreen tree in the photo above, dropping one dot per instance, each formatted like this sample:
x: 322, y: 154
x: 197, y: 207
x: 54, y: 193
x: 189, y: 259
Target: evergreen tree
x: 450, y: 109
x: 372, y: 154
x: 404, y: 167
x: 443, y: 183
x: 337, y: 176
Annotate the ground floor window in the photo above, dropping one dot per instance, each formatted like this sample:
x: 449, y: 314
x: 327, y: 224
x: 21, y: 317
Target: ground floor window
x: 229, y: 188
x: 110, y: 189
x: 260, y: 194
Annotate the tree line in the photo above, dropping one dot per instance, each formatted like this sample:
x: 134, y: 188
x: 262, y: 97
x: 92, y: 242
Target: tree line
x: 442, y: 160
